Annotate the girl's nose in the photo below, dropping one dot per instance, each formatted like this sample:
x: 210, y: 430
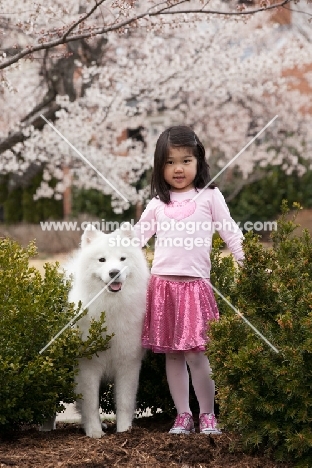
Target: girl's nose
x: 178, y: 168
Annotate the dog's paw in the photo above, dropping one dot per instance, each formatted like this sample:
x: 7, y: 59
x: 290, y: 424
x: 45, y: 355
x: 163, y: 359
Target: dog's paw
x: 95, y: 433
x: 123, y: 427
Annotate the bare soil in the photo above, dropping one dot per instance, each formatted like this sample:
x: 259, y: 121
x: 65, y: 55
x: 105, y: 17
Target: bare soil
x: 147, y: 444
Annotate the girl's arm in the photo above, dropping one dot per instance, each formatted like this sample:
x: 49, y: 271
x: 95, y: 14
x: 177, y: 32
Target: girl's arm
x: 146, y: 227
x: 226, y: 226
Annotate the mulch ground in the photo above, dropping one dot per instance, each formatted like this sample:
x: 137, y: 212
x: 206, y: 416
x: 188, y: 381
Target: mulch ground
x: 148, y: 444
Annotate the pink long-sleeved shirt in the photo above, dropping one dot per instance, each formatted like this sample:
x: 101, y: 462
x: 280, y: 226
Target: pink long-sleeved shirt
x: 184, y: 230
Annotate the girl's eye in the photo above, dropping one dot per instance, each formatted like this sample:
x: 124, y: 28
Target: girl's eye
x: 169, y: 162
x: 122, y: 259
x: 102, y: 259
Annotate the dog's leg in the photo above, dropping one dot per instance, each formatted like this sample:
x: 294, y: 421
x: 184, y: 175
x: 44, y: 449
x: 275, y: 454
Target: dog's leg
x: 48, y: 425
x: 126, y: 386
x: 88, y: 385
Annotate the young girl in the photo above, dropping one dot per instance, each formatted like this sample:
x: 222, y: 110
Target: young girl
x: 183, y: 212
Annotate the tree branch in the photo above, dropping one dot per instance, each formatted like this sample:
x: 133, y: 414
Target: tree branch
x: 222, y: 13
x: 82, y: 19
x: 36, y: 121
x: 297, y: 11
x: 68, y: 37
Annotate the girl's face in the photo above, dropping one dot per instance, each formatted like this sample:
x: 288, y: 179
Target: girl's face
x: 180, y: 169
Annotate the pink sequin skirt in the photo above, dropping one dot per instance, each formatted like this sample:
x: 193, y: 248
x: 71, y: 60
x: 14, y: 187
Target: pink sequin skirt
x: 178, y: 315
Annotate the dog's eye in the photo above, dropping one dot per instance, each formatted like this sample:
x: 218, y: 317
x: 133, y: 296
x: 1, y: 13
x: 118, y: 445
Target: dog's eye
x: 122, y: 259
x: 102, y: 259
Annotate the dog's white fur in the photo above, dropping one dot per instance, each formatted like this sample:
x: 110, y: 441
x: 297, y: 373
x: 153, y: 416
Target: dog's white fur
x: 124, y: 311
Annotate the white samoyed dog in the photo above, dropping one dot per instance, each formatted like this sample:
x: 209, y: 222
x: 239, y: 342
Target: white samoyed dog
x: 108, y: 265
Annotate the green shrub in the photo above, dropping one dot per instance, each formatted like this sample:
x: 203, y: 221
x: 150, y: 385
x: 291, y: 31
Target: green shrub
x: 261, y: 199
x: 34, y: 309
x: 153, y: 389
x: 95, y: 203
x: 18, y: 201
x: 264, y: 396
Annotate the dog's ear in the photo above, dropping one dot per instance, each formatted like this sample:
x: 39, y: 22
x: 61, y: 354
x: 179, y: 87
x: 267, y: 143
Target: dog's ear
x: 127, y: 229
x: 90, y: 233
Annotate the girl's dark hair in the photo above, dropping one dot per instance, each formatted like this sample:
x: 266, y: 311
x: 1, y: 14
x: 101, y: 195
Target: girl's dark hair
x: 178, y: 137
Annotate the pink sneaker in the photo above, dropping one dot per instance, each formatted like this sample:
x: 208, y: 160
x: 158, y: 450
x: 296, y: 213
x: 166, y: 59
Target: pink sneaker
x: 183, y: 424
x: 208, y: 424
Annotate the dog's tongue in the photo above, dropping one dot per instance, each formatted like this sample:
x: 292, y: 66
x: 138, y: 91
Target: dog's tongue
x: 115, y: 286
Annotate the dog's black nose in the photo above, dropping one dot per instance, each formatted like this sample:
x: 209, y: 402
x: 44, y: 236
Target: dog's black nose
x: 113, y: 273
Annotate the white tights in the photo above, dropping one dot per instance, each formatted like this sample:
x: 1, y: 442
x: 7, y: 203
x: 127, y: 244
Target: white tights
x: 178, y: 380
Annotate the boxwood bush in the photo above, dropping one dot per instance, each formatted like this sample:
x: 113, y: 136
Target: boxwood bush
x: 266, y: 396
x: 33, y: 309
